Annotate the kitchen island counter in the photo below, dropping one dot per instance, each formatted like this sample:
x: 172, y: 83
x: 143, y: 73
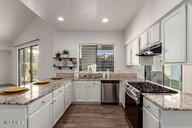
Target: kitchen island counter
x: 34, y: 92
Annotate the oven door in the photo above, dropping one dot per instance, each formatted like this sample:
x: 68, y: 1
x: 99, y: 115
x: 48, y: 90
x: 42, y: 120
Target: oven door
x: 133, y: 110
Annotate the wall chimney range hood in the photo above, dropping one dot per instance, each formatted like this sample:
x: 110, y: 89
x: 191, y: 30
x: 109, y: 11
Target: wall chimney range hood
x: 153, y: 50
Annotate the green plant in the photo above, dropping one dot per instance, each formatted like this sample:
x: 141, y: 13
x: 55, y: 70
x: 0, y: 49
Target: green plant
x: 65, y: 52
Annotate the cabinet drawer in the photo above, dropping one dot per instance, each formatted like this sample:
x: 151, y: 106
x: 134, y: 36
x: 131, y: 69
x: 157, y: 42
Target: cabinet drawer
x: 86, y: 82
x: 79, y: 82
x: 39, y: 103
x: 58, y: 91
x: 151, y: 107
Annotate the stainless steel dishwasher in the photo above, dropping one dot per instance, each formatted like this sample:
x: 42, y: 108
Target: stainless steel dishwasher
x: 109, y: 92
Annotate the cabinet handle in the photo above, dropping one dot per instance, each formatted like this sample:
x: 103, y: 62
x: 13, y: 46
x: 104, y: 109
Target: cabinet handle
x: 54, y: 100
x: 60, y: 91
x: 43, y: 102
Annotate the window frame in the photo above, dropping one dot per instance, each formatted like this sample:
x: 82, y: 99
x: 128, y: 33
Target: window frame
x: 96, y: 57
x: 31, y: 61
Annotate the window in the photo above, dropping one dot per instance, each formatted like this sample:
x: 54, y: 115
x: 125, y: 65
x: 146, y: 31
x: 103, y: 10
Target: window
x: 168, y: 75
x: 97, y: 57
x: 28, y: 64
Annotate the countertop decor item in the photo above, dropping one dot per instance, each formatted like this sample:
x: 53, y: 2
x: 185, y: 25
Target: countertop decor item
x: 65, y: 53
x: 41, y: 82
x: 16, y: 89
x: 56, y: 78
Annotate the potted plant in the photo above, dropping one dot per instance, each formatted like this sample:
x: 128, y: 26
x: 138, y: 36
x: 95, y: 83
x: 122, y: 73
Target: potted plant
x: 65, y: 53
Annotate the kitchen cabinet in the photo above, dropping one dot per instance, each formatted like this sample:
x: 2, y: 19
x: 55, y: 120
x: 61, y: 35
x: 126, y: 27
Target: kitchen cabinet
x: 154, y: 34
x: 94, y: 92
x: 58, y: 105
x: 149, y: 121
x: 131, y: 50
x: 129, y: 54
x: 80, y: 92
x: 174, y: 37
x: 42, y: 118
x: 87, y: 91
x: 150, y: 115
x: 143, y: 40
x: 189, y: 33
x: 122, y: 94
x: 68, y: 95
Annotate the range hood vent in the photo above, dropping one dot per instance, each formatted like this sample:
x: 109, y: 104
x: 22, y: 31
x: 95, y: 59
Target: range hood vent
x: 153, y: 50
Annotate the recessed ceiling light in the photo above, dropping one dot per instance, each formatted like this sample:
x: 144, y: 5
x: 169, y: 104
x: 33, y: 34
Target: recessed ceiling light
x: 105, y: 20
x: 60, y: 19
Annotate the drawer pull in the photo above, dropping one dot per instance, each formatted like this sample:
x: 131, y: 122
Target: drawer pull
x: 43, y: 102
x: 60, y: 91
x: 54, y: 100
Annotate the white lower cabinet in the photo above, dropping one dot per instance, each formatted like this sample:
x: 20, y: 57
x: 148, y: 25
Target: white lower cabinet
x: 42, y: 118
x: 68, y: 95
x: 87, y: 91
x: 58, y: 107
x: 122, y: 95
x: 149, y: 121
x: 93, y: 93
x: 80, y: 92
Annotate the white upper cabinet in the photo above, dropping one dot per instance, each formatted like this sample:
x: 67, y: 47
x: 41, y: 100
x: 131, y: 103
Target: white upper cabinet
x: 144, y: 40
x: 189, y: 33
x: 131, y: 50
x: 174, y: 37
x: 154, y: 34
x: 129, y: 54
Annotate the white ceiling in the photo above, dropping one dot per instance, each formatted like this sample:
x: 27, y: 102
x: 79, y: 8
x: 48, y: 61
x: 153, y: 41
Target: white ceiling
x: 86, y: 15
x: 14, y: 16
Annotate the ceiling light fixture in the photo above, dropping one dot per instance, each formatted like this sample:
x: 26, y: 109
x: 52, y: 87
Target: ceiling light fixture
x: 61, y: 19
x: 105, y: 20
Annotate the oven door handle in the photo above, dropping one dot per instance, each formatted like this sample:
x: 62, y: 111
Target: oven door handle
x: 135, y: 99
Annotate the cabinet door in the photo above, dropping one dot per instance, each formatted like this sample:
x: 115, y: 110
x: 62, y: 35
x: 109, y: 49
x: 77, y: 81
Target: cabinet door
x: 67, y: 98
x: 154, y: 34
x: 143, y: 40
x: 189, y: 32
x: 122, y: 95
x: 174, y: 36
x: 135, y: 50
x: 42, y: 118
x: 58, y: 107
x: 129, y: 54
x: 94, y: 93
x: 149, y: 121
x: 80, y: 93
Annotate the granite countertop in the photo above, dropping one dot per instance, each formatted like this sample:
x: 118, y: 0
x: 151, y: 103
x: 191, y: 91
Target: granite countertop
x: 99, y: 79
x: 171, y: 102
x: 34, y: 92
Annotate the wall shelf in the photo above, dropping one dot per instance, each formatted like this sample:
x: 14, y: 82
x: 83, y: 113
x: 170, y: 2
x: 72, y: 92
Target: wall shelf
x: 71, y: 60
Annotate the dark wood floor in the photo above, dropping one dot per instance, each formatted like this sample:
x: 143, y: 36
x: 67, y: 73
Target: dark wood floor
x: 93, y: 116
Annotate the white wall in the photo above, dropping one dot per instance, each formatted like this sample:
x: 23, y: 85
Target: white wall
x: 5, y: 46
x: 5, y: 64
x: 72, y: 40
x: 150, y: 12
x: 37, y: 29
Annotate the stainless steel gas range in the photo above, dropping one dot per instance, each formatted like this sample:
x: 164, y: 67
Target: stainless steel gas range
x: 134, y: 99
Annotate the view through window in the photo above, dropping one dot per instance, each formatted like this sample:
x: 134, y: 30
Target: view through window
x: 97, y: 57
x: 28, y: 64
